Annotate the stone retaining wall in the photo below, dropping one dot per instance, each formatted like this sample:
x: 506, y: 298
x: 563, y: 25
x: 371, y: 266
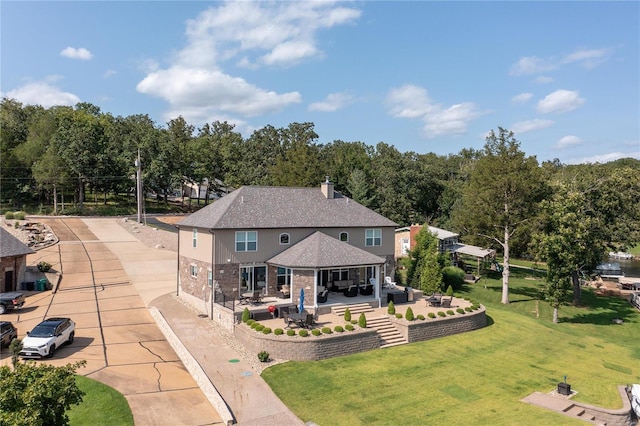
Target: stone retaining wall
x: 431, y: 328
x: 604, y: 416
x: 311, y: 348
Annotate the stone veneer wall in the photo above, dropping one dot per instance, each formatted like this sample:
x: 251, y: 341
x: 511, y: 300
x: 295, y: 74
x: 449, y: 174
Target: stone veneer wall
x: 16, y: 264
x: 221, y: 315
x: 311, y: 348
x: 431, y: 328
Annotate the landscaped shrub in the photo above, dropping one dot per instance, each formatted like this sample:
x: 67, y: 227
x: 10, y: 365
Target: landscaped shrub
x: 254, y: 325
x: 409, y: 314
x: 338, y: 329
x: 431, y: 315
x: 441, y: 314
x: 362, y: 321
x: 450, y: 312
x: 250, y: 321
x: 19, y: 215
x: 349, y: 327
x: 453, y: 276
x: 475, y: 307
x: 303, y: 333
x: 354, y: 321
x: 44, y: 266
x: 398, y: 315
x: 468, y: 309
x: 391, y: 310
x: 326, y: 330
x: 259, y: 327
x: 420, y: 317
x: 246, y: 315
x: 266, y: 330
x: 291, y: 332
x: 450, y: 291
x: 16, y: 224
x: 316, y: 332
x: 347, y: 315
x: 263, y: 356
x: 460, y: 311
x: 9, y: 216
x: 278, y: 331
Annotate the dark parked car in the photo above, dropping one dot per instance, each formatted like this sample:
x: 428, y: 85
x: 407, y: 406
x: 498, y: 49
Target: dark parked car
x: 11, y: 300
x: 8, y: 332
x: 48, y: 336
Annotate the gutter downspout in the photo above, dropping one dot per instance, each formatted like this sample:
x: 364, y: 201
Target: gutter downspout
x: 178, y: 268
x: 213, y: 273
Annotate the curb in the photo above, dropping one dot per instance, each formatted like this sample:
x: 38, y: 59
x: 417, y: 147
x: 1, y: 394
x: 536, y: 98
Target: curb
x: 196, y: 371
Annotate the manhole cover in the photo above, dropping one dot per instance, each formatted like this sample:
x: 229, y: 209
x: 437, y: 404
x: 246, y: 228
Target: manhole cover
x: 246, y: 373
x: 234, y: 360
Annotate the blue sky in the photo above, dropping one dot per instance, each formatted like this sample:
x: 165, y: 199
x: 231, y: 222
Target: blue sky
x: 422, y: 76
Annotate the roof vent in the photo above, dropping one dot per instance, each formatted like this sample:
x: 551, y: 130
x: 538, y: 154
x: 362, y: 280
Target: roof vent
x: 327, y: 188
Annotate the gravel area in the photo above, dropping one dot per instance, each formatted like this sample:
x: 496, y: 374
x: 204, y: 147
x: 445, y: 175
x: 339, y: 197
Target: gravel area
x: 150, y: 236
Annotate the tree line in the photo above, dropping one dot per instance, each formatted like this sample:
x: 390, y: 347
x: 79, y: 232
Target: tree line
x: 496, y: 197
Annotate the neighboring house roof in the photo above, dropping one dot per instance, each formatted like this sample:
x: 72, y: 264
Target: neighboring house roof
x: 251, y: 207
x: 472, y: 250
x: 11, y: 246
x: 441, y: 233
x: 319, y: 250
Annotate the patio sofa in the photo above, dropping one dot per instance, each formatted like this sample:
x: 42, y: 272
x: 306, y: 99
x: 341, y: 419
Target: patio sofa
x: 340, y: 285
x: 284, y: 292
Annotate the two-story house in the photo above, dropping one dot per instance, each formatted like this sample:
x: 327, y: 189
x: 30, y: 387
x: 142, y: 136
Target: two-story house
x: 264, y: 238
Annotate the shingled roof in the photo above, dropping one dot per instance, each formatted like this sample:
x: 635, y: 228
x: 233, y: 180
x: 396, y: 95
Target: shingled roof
x: 319, y: 250
x: 254, y: 207
x: 11, y: 246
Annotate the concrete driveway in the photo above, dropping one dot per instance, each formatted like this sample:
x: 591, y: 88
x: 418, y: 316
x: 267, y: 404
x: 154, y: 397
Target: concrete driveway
x: 108, y: 280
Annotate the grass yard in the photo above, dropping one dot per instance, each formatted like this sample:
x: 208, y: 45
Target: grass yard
x: 102, y: 405
x: 479, y: 377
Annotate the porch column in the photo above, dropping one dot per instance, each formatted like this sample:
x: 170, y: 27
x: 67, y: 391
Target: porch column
x: 378, y: 285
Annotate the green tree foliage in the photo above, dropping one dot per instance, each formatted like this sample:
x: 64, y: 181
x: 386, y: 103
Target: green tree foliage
x: 502, y: 194
x: 424, y: 270
x: 298, y: 166
x: 453, y: 277
x: 38, y: 394
x: 359, y: 185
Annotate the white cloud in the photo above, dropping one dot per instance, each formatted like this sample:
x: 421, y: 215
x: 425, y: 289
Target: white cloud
x: 567, y: 141
x: 73, y: 53
x: 411, y: 101
x: 531, y: 65
x: 587, y: 58
x: 530, y: 125
x: 560, y: 101
x: 250, y: 35
x: 42, y: 93
x: 333, y: 102
x: 604, y: 158
x: 543, y: 79
x: 521, y: 98
x: 109, y: 73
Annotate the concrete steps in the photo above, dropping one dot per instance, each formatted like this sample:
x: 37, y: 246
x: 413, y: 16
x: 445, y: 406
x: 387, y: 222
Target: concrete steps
x: 388, y: 334
x: 579, y: 412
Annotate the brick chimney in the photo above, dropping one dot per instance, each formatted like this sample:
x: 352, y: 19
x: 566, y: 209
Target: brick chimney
x: 413, y: 231
x: 327, y: 188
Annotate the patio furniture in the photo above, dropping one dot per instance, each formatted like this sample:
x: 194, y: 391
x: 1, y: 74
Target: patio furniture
x: 446, y: 303
x: 245, y: 298
x: 256, y: 298
x: 351, y: 291
x: 284, y: 292
x: 322, y: 297
x: 341, y: 285
x: 366, y: 290
x: 388, y: 283
x: 397, y: 296
x: 433, y: 300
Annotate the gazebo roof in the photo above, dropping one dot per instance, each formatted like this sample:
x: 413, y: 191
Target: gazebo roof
x: 319, y: 250
x: 472, y: 250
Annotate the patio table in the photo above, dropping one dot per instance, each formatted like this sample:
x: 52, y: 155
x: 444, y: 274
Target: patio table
x: 245, y: 297
x: 296, y: 318
x: 434, y: 301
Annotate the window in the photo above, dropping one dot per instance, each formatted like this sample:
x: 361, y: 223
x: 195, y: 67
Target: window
x: 284, y: 238
x: 344, y: 236
x: 246, y: 241
x: 195, y: 238
x: 284, y: 276
x: 339, y: 275
x: 210, y: 277
x: 373, y: 237
x: 194, y: 271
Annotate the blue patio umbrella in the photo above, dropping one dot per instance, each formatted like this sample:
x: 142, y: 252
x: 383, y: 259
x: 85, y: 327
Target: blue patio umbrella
x: 301, y: 307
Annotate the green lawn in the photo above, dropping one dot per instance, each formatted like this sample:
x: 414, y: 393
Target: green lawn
x: 479, y: 377
x: 102, y: 405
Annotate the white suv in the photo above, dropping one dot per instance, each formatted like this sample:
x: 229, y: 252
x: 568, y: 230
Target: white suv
x: 47, y: 336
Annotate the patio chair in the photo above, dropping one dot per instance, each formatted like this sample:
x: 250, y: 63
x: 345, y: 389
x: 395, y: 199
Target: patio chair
x: 351, y: 291
x: 308, y: 322
x: 445, y: 303
x: 322, y: 297
x: 388, y: 283
x: 366, y: 290
x: 256, y: 297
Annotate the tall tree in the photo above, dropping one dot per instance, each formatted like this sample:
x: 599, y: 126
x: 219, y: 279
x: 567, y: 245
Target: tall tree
x: 424, y: 270
x: 299, y: 164
x: 503, y: 193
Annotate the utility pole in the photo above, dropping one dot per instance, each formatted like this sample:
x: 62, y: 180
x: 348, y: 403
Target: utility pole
x: 139, y: 186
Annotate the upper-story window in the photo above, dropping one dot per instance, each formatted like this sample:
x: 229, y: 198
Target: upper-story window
x: 246, y: 241
x: 195, y: 237
x: 194, y: 271
x: 284, y: 238
x: 344, y: 236
x: 373, y: 237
